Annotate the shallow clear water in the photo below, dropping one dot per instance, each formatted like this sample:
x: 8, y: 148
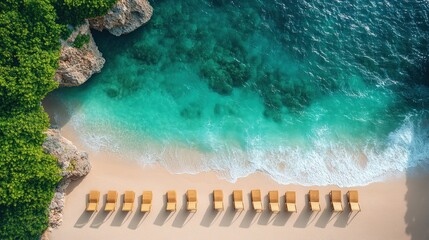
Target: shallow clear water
x: 310, y: 92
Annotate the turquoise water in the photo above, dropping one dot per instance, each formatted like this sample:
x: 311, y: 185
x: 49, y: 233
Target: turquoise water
x: 310, y: 92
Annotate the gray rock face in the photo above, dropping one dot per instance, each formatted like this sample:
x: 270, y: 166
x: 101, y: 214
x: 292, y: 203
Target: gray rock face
x: 74, y: 164
x: 78, y: 65
x: 124, y: 17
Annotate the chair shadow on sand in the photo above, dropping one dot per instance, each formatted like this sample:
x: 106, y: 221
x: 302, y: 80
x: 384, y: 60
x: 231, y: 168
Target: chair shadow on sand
x: 327, y: 214
x: 346, y: 217
x: 283, y: 216
x: 121, y: 216
x: 306, y: 216
x: 210, y: 214
x: 163, y: 215
x: 138, y: 217
x: 230, y: 215
x: 183, y: 216
x: 267, y: 216
x: 85, y: 217
x: 251, y: 216
x: 101, y: 216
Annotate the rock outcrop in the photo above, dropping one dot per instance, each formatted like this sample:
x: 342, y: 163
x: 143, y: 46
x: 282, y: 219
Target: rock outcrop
x: 74, y: 165
x: 124, y: 17
x: 77, y: 65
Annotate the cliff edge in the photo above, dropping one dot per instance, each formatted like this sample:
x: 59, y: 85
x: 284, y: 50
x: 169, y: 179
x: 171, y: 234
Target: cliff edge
x: 74, y: 165
x: 125, y: 17
x: 77, y: 65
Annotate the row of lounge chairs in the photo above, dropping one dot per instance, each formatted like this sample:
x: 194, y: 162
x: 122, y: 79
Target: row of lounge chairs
x: 335, y: 200
x: 256, y: 197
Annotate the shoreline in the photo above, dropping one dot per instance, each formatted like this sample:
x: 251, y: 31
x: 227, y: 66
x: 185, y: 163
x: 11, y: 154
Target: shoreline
x: 179, y: 159
x: 389, y: 208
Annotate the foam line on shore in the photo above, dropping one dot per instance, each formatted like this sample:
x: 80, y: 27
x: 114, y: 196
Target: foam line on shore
x: 325, y: 163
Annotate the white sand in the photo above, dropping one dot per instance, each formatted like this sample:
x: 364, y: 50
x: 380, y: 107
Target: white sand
x: 395, y: 209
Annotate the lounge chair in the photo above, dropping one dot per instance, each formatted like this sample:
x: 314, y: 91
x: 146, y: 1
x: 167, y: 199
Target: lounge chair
x: 273, y: 197
x: 218, y: 200
x: 290, y: 201
x: 146, y: 201
x: 128, y: 201
x: 93, y: 199
x: 353, y: 198
x: 238, y: 200
x: 191, y: 197
x: 257, y: 200
x: 313, y: 198
x: 171, y: 201
x: 335, y: 196
x: 112, y: 197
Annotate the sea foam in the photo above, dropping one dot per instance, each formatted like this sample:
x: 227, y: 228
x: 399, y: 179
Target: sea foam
x: 308, y: 92
x: 324, y: 163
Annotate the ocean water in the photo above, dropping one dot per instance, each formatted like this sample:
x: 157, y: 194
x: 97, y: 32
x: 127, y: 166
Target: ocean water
x: 309, y: 92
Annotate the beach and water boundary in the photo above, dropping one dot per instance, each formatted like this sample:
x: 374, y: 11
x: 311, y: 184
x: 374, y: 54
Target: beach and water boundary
x: 403, y: 144
x: 336, y: 104
x: 392, y: 209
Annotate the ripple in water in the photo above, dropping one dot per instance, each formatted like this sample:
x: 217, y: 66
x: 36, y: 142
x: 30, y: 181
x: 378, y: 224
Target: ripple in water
x: 310, y: 92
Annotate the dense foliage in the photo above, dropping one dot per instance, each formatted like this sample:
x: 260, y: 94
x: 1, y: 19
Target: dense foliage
x: 29, y: 53
x: 75, y: 11
x: 81, y: 40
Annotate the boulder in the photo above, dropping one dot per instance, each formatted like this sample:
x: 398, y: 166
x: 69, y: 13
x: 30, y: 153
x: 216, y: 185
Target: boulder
x: 77, y: 65
x: 74, y: 165
x: 124, y: 17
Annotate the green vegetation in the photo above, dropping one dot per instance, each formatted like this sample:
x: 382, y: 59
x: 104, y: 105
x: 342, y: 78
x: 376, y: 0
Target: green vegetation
x: 81, y: 40
x: 75, y: 11
x: 29, y: 53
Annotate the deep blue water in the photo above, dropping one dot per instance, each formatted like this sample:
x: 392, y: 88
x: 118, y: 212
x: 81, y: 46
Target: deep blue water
x: 310, y: 92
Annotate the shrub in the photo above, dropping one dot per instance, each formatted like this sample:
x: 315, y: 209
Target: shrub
x: 29, y: 51
x: 75, y: 11
x: 81, y: 40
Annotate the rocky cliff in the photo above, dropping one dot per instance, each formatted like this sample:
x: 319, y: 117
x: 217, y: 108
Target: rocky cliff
x: 124, y: 17
x: 77, y: 65
x: 74, y: 165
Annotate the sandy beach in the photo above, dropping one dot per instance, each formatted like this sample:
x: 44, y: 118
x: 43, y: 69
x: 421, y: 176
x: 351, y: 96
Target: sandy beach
x: 394, y: 209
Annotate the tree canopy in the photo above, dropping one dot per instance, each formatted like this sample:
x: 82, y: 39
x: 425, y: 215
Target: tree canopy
x: 29, y: 51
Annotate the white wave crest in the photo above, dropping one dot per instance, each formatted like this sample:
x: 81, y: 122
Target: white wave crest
x: 325, y: 163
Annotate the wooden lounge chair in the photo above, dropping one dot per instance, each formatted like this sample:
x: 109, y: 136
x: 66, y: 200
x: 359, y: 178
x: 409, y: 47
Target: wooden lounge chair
x: 128, y: 203
x: 93, y: 199
x: 353, y: 198
x: 171, y: 201
x: 273, y: 197
x: 257, y: 200
x: 238, y: 200
x: 336, y: 204
x: 191, y: 197
x: 146, y: 201
x: 218, y: 200
x: 313, y: 198
x: 290, y: 201
x: 112, y: 197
